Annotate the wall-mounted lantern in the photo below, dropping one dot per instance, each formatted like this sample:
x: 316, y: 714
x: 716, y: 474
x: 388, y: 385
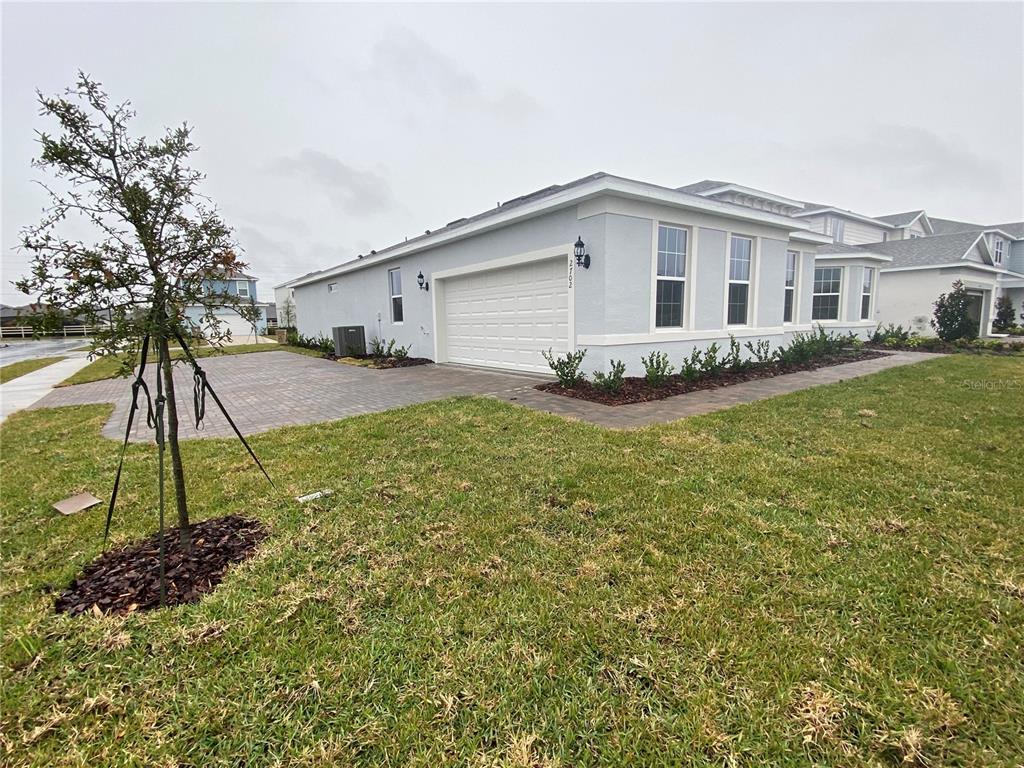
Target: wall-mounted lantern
x: 422, y: 282
x: 582, y: 257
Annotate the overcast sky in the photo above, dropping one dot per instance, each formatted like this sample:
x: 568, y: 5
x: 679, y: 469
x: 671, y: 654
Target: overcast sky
x: 328, y: 130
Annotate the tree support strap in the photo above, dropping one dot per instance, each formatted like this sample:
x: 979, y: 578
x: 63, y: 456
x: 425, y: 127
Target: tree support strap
x: 201, y: 385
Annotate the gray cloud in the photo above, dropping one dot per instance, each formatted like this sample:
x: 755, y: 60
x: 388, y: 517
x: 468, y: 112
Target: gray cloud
x: 353, y: 191
x: 403, y: 60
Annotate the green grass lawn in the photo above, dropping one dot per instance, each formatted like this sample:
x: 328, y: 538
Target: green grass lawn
x: 20, y: 368
x: 833, y: 577
x: 107, y: 367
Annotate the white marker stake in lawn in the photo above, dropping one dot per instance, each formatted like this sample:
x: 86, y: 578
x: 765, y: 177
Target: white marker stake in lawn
x: 313, y: 496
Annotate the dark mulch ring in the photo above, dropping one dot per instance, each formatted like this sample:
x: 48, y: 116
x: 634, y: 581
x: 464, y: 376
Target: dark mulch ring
x: 392, y: 362
x: 635, y: 389
x: 128, y: 579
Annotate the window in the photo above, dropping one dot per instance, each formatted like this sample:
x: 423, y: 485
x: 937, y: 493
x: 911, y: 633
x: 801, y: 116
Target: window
x: 332, y: 287
x: 787, y: 311
x: 838, y: 229
x: 740, y: 252
x: 865, y: 293
x: 242, y: 286
x: 671, y: 281
x: 915, y: 235
x: 395, y: 287
x: 997, y: 251
x: 825, y: 299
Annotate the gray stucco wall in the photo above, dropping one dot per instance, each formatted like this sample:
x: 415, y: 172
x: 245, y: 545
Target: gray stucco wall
x: 710, y: 273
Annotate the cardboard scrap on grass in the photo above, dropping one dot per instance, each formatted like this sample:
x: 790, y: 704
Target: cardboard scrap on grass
x: 77, y: 503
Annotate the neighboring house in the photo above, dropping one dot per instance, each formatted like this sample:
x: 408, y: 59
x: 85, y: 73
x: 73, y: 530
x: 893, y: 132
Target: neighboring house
x: 232, y: 284
x: 669, y: 270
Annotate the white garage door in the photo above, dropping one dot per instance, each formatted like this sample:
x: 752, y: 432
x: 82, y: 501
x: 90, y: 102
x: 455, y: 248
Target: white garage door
x: 503, y: 318
x: 241, y: 329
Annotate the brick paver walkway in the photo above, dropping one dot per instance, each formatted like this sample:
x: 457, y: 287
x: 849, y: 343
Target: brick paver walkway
x: 265, y: 390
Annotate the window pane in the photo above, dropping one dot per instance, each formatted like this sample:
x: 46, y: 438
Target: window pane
x: 395, y: 281
x: 668, y: 305
x: 671, y: 251
x: 787, y: 311
x: 790, y: 269
x: 396, y: 309
x: 869, y: 276
x: 865, y: 306
x: 739, y: 258
x: 826, y: 279
x: 825, y: 307
x: 738, y: 303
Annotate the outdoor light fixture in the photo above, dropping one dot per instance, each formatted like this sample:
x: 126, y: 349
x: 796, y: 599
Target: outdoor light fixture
x: 422, y: 283
x: 582, y: 257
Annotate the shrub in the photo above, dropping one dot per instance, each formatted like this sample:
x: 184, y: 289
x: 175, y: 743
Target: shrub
x: 611, y: 382
x: 1004, y: 317
x: 657, y: 368
x: 322, y: 344
x: 734, y: 360
x: 805, y: 347
x: 710, y: 364
x: 762, y: 351
x: 952, y: 319
x: 567, y: 366
x: 691, y: 369
x: 890, y: 333
x: 400, y: 353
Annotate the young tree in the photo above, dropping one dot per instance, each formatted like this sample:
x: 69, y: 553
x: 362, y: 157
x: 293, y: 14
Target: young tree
x: 287, y: 319
x: 1004, y: 315
x: 153, y: 240
x: 952, y: 319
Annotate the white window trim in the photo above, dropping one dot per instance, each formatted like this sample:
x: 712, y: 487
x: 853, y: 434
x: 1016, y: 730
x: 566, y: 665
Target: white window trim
x: 997, y: 250
x: 687, y: 279
x: 798, y: 265
x: 870, y: 293
x: 755, y: 257
x: 840, y: 313
x: 833, y: 221
x: 393, y: 296
x: 238, y: 288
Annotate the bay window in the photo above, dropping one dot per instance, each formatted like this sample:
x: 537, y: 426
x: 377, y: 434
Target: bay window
x: 867, y: 286
x: 825, y: 299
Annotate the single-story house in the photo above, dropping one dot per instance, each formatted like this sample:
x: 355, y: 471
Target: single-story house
x: 613, y: 265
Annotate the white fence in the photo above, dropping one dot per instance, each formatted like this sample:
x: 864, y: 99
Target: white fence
x: 25, y: 331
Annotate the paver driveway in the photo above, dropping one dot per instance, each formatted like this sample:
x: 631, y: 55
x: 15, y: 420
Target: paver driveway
x: 264, y: 390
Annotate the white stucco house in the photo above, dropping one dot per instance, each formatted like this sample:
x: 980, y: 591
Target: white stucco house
x: 666, y: 269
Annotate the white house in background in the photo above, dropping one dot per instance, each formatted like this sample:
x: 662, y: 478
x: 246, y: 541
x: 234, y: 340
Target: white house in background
x: 659, y: 269
x: 232, y: 284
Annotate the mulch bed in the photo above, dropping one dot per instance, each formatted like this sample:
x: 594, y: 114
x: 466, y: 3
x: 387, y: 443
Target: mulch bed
x: 128, y: 579
x: 635, y: 389
x: 382, y: 363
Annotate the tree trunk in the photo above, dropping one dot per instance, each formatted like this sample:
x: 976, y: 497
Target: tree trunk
x: 177, y: 470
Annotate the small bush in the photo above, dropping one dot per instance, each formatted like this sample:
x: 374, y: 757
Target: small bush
x: 657, y: 368
x: 890, y: 333
x: 400, y: 353
x: 734, y: 359
x: 710, y: 364
x: 611, y: 382
x: 567, y: 366
x: 1004, y: 317
x: 691, y: 369
x: 762, y: 351
x: 952, y: 319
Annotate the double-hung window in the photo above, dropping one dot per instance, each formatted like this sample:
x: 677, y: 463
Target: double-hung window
x: 838, y: 229
x: 997, y: 250
x: 792, y: 257
x: 670, y: 290
x: 867, y: 286
x: 825, y: 299
x: 242, y: 288
x: 395, y: 290
x: 741, y: 250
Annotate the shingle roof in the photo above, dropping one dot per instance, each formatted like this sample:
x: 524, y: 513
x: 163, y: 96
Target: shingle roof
x: 915, y: 251
x: 703, y: 186
x: 900, y: 219
x: 951, y: 226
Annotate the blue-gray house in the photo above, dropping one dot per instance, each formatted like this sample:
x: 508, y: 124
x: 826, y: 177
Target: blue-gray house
x: 233, y: 284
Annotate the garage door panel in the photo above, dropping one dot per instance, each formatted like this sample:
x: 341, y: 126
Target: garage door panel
x: 504, y: 318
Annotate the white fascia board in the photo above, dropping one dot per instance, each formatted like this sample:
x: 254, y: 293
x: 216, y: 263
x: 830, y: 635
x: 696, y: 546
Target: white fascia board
x: 984, y: 248
x: 751, y: 192
x: 925, y: 222
x: 847, y: 214
x: 1002, y: 232
x: 953, y: 265
x: 852, y: 255
x: 608, y: 185
x: 806, y: 236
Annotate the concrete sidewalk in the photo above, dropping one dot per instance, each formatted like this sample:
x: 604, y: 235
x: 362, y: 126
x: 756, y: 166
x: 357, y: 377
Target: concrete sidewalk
x: 25, y: 390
